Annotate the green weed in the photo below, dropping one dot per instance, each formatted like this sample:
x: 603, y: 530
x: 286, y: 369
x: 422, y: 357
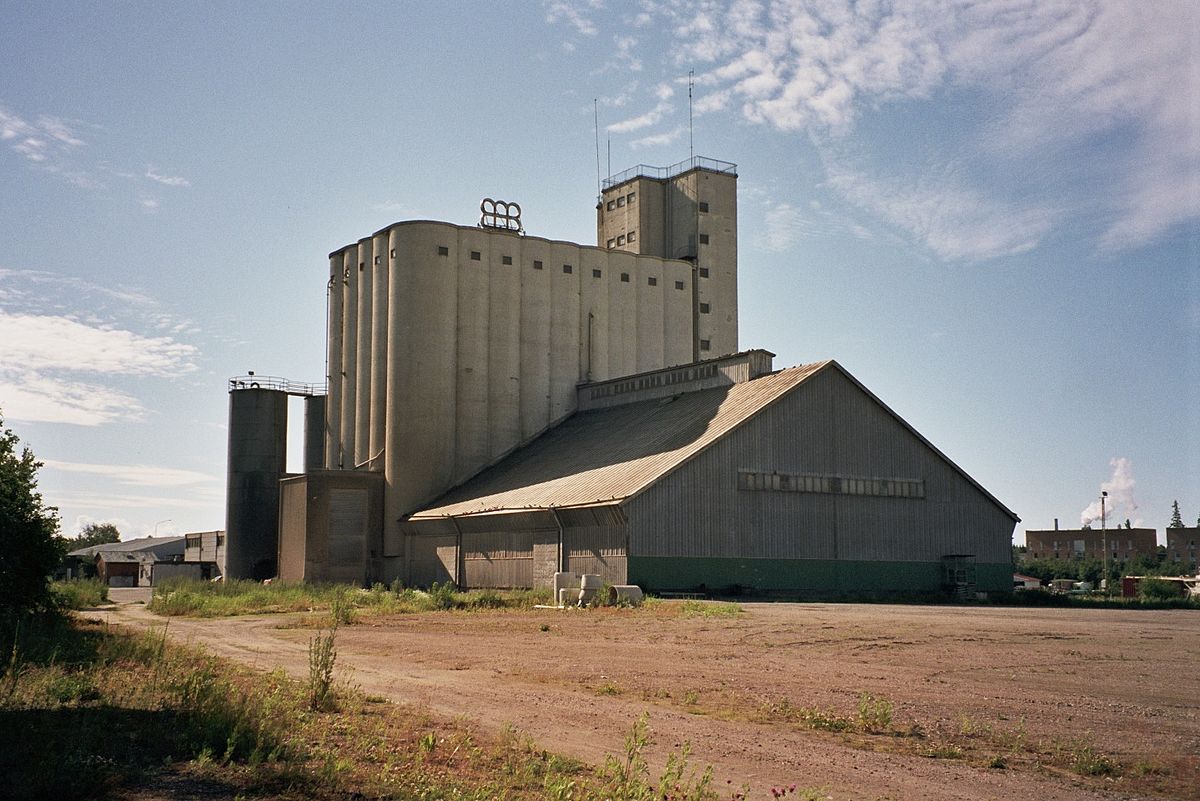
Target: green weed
x: 322, y: 655
x: 874, y: 714
x: 1087, y: 761
x: 628, y: 779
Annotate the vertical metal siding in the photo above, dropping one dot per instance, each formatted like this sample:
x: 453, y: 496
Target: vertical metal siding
x: 826, y: 426
x: 597, y: 549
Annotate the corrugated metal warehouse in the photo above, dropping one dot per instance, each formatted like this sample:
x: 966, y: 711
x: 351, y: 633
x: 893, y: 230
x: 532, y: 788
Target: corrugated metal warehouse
x: 719, y: 476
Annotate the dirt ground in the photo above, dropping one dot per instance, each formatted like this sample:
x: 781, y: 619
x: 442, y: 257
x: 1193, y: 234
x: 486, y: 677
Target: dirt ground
x: 989, y: 703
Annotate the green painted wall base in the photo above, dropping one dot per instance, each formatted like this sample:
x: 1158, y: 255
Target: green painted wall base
x: 815, y: 576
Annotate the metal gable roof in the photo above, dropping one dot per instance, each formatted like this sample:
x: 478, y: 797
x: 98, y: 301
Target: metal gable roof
x: 141, y: 544
x: 608, y: 455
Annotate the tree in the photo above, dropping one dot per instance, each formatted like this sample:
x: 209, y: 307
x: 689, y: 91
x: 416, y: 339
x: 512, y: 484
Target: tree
x: 1155, y: 589
x: 94, y: 534
x: 1176, y: 518
x: 29, y: 547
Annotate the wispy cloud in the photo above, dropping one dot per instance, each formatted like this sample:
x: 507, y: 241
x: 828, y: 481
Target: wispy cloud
x: 658, y: 140
x: 166, y: 180
x: 575, y: 14
x: 787, y: 225
x: 53, y: 145
x: 60, y: 361
x: 136, y: 475
x: 37, y: 141
x: 1057, y: 76
x: 951, y: 219
x: 637, y: 123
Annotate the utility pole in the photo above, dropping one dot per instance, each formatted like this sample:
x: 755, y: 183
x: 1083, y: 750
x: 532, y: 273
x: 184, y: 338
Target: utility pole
x: 1104, y: 537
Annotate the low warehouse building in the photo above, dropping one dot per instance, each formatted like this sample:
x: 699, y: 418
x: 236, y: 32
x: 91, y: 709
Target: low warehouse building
x: 721, y: 475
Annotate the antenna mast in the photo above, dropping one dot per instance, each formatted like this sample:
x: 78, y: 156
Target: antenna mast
x: 691, y: 83
x: 596, y: 114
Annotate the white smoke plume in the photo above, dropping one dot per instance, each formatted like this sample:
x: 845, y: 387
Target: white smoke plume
x: 1120, y: 505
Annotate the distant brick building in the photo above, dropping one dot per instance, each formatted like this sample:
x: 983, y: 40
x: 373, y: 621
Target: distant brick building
x: 1122, y: 544
x: 1182, y: 544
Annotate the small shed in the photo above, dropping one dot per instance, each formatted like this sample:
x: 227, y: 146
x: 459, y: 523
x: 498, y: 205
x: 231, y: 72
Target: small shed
x: 1023, y: 582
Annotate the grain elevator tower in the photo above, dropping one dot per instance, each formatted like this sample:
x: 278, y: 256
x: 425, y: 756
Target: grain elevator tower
x: 685, y: 211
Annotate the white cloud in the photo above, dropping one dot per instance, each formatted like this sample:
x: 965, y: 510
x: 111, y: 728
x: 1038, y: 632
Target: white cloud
x: 39, y: 342
x: 43, y: 142
x: 651, y: 117
x: 657, y: 140
x: 574, y: 14
x: 34, y: 397
x: 64, y: 348
x: 165, y: 180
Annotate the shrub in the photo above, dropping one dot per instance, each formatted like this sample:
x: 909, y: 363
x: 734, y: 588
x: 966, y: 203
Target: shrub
x: 1156, y: 589
x: 442, y: 596
x: 322, y: 654
x: 80, y: 593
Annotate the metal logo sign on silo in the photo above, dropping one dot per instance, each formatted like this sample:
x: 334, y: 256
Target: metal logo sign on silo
x: 500, y: 214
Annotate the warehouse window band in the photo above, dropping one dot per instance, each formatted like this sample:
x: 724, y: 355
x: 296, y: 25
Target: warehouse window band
x: 832, y: 485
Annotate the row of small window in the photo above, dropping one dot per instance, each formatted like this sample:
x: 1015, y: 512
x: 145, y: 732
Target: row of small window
x: 196, y: 540
x: 835, y: 485
x: 1078, y: 555
x: 617, y: 241
x: 621, y: 201
x: 1081, y: 545
x: 537, y: 265
x: 657, y: 380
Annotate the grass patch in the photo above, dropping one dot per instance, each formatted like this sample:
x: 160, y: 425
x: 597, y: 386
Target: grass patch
x: 192, y: 598
x: 718, y: 609
x: 79, y: 593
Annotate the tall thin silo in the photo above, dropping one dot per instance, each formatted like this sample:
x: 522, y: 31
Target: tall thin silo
x: 257, y: 460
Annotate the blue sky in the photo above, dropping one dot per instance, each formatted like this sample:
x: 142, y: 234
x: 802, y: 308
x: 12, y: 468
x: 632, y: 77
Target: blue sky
x: 988, y: 212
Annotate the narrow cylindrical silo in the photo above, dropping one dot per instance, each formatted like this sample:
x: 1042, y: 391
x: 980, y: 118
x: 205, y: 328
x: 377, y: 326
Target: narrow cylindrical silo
x: 504, y: 345
x: 333, y: 365
x: 314, y: 433
x: 257, y: 460
x: 398, y: 255
x: 362, y: 368
x: 471, y: 339
x: 379, y: 347
x: 349, y: 357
